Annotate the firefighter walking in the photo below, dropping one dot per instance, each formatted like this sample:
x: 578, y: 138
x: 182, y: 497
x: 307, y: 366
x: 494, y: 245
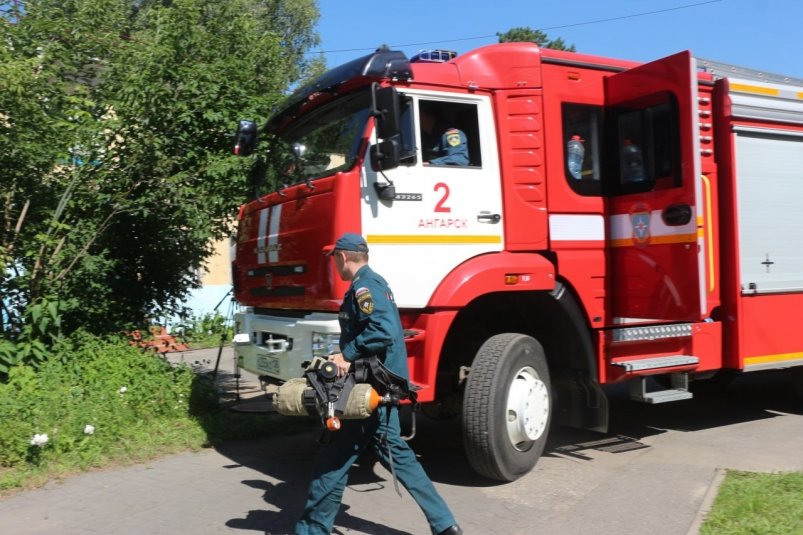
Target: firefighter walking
x: 370, y: 325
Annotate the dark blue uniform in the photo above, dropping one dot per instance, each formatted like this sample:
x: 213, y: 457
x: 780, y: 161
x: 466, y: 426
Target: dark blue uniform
x: 370, y: 325
x: 448, y: 148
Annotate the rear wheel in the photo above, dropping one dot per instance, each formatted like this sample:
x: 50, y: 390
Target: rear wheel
x: 507, y: 407
x: 797, y: 379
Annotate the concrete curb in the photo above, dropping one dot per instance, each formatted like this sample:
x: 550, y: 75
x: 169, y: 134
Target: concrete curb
x: 708, y: 501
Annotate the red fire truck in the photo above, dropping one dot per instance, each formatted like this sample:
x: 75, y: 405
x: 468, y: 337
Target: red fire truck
x: 666, y: 248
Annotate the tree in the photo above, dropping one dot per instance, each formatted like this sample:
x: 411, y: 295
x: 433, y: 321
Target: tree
x: 116, y: 123
x: 528, y: 35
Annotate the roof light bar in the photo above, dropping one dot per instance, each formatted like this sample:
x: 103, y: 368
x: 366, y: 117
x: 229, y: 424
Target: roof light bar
x: 433, y: 56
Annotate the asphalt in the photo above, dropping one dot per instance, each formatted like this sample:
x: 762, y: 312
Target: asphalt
x: 656, y: 472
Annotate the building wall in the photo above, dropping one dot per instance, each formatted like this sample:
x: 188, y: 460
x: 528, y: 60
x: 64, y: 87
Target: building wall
x: 216, y: 284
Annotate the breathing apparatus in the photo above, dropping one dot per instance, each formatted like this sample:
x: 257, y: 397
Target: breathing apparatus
x: 354, y: 395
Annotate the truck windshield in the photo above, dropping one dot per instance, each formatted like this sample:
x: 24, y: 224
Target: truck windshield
x: 326, y: 141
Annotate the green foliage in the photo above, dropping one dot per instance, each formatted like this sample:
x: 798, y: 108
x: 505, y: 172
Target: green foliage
x: 102, y: 401
x: 116, y: 123
x: 41, y: 331
x: 116, y: 389
x: 757, y: 503
x: 206, y: 330
x: 528, y: 35
x: 116, y: 119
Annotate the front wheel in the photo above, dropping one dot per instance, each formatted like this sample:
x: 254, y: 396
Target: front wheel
x: 797, y: 379
x: 507, y: 407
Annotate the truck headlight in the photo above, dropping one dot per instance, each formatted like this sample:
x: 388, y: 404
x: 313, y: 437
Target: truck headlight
x: 324, y: 344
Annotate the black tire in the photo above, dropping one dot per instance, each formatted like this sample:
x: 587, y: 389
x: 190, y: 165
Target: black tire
x: 797, y: 379
x: 509, y: 372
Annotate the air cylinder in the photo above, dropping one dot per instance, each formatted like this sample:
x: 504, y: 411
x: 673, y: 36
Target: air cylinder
x: 361, y: 402
x: 289, y: 400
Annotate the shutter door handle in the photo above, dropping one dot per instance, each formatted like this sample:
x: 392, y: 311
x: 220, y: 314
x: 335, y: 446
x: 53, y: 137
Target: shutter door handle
x: 676, y: 215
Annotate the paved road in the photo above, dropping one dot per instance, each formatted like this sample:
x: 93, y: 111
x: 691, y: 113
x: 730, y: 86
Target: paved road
x: 653, y: 473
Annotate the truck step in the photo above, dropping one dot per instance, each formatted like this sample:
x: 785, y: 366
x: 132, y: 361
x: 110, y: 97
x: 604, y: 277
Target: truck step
x: 654, y: 363
x: 679, y: 390
x: 649, y: 332
x: 663, y: 396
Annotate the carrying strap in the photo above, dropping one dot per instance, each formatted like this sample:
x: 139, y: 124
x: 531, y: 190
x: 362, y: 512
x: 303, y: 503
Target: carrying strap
x: 386, y: 381
x: 383, y: 441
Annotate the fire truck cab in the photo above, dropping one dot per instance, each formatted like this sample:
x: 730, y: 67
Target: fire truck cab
x: 664, y: 248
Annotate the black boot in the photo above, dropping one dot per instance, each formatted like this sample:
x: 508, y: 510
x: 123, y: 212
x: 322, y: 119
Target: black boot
x: 454, y: 530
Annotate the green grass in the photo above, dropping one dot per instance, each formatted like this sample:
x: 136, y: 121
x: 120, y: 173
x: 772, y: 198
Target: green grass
x: 755, y: 503
x: 103, y: 403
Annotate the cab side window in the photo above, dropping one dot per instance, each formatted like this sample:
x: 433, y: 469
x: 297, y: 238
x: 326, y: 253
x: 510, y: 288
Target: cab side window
x: 646, y: 143
x: 582, y: 145
x: 449, y: 133
x: 408, y: 152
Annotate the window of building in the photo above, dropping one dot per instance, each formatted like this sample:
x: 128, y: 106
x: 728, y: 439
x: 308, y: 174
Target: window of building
x: 449, y: 133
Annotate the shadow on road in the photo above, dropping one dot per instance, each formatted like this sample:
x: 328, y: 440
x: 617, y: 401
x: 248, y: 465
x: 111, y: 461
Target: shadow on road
x: 716, y: 403
x: 286, y: 459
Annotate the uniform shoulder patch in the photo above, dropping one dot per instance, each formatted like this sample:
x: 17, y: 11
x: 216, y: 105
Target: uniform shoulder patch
x: 453, y: 137
x: 365, y: 300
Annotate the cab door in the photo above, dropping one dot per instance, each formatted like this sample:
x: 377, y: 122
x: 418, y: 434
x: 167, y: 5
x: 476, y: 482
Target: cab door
x: 653, y: 187
x: 442, y: 214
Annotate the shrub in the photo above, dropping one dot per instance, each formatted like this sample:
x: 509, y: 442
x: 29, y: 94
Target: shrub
x: 205, y: 330
x: 94, y: 399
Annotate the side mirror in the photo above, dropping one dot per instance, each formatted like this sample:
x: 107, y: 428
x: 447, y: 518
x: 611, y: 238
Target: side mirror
x: 386, y: 109
x: 385, y: 155
x: 246, y: 140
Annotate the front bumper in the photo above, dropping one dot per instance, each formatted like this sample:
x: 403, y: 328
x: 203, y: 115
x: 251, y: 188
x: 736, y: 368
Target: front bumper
x: 275, y: 347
